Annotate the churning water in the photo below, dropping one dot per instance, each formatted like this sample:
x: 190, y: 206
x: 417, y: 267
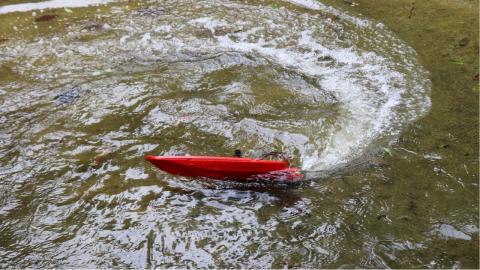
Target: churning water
x: 321, y: 86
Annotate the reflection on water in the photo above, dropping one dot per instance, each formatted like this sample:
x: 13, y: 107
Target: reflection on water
x: 79, y: 110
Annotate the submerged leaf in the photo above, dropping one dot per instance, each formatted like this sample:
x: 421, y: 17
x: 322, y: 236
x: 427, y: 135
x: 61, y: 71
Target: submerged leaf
x: 456, y: 61
x: 388, y: 151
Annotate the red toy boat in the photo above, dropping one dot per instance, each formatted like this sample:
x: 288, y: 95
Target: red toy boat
x: 226, y: 168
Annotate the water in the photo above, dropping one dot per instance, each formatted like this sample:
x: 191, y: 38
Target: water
x: 85, y: 95
x: 49, y: 5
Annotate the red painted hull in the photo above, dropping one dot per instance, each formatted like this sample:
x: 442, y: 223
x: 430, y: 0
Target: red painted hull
x: 226, y: 168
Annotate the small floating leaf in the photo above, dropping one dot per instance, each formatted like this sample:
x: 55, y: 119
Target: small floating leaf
x: 101, y: 157
x: 388, y: 151
x: 68, y: 10
x: 46, y: 18
x: 463, y: 42
x: 456, y: 61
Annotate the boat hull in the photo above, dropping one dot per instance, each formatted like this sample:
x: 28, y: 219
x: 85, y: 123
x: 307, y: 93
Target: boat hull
x: 226, y: 168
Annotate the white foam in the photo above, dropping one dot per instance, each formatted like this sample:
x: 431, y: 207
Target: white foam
x: 51, y: 4
x: 314, y: 5
x: 364, y: 118
x: 208, y: 23
x: 448, y: 231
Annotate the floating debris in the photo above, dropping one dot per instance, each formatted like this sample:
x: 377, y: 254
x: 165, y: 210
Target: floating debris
x: 411, y: 12
x: 456, y: 61
x: 432, y: 156
x: 463, y: 42
x: 445, y: 146
x: 388, y: 151
x: 68, y: 96
x: 46, y: 18
x: 101, y: 157
x: 350, y: 2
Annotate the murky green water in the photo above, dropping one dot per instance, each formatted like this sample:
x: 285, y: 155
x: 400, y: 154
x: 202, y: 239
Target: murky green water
x: 379, y: 104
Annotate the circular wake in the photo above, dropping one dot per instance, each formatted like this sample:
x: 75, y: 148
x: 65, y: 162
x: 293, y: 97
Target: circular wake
x: 322, y: 86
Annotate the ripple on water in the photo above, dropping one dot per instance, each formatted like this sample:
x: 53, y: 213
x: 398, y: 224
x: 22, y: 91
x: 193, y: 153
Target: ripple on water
x: 202, y: 78
x: 312, y: 62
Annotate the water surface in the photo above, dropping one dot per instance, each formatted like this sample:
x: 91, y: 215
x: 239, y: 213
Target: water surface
x: 87, y: 92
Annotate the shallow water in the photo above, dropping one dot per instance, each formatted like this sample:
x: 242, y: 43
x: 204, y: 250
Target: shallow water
x: 85, y: 94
